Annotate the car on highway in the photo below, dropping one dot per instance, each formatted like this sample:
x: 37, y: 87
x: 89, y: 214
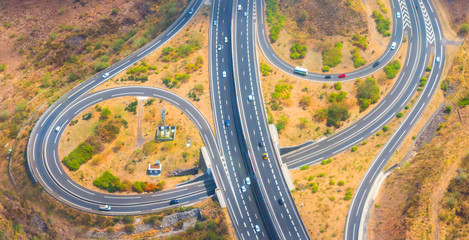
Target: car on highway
x: 104, y: 207
x: 105, y: 75
x: 398, y: 15
x: 224, y: 74
x: 258, y: 229
x: 226, y: 39
x: 250, y: 98
x: 437, y: 59
x: 261, y: 144
x: 174, y: 201
x: 57, y: 129
x: 191, y: 11
x: 376, y: 64
x: 265, y: 156
x: 342, y: 75
x: 243, y: 188
x: 327, y: 77
x: 245, y: 14
x: 281, y: 201
x: 219, y: 47
x: 248, y: 181
x: 240, y: 7
x: 214, y: 23
x: 393, y: 45
x: 227, y: 123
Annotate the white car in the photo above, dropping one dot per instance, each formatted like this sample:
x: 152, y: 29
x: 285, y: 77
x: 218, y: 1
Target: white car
x: 57, y: 129
x: 240, y: 7
x: 250, y: 98
x: 437, y: 59
x: 258, y: 229
x: 105, y: 75
x: 224, y: 74
x: 248, y: 181
x: 245, y: 14
x: 393, y: 45
x: 243, y: 189
x: 219, y: 47
x: 104, y: 207
x: 398, y: 15
x: 226, y: 39
x: 214, y: 23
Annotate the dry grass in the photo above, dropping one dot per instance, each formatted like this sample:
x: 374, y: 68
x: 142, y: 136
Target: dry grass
x: 124, y: 157
x: 313, y: 60
x: 293, y: 133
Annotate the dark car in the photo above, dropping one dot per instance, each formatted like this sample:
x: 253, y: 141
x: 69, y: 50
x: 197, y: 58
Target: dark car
x: 261, y: 144
x: 376, y: 64
x: 342, y: 75
x: 327, y: 77
x: 227, y: 123
x: 281, y: 201
x: 174, y: 201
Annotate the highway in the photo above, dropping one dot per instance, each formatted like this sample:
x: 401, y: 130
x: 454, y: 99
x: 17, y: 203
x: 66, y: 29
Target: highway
x: 242, y: 206
x: 46, y: 165
x: 285, y: 217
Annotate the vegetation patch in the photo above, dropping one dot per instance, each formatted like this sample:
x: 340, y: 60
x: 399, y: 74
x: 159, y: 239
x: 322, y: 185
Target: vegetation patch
x: 367, y: 92
x: 266, y: 70
x: 357, y: 59
x: 336, y: 113
x: 392, y: 69
x: 110, y: 183
x: 298, y: 51
x: 382, y: 24
x: 332, y: 57
x: 78, y: 156
x: 275, y: 19
x: 359, y: 41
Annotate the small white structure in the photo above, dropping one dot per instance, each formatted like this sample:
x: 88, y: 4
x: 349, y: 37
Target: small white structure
x: 154, y: 169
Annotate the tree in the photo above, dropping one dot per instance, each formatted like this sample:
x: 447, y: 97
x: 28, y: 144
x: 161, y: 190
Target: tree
x: 392, y: 68
x: 464, y: 30
x: 367, y: 92
x: 336, y: 113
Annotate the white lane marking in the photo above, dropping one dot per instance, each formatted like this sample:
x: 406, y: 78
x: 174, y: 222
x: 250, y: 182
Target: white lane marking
x: 80, y: 188
x: 56, y: 164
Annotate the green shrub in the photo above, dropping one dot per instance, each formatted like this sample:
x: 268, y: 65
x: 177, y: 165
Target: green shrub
x: 314, y: 188
x: 298, y: 51
x: 108, y: 182
x: 281, y: 123
x: 78, y: 156
x: 331, y: 182
x: 406, y: 107
x: 182, y: 77
x: 367, y: 92
x: 354, y: 149
x: 132, y: 107
x: 464, y: 101
x: 464, y: 29
x: 61, y: 11
x: 341, y: 183
x: 139, y: 186
x: 445, y: 85
x: 87, y: 116
x: 348, y: 195
x: 310, y: 178
x: 392, y: 68
x: 359, y: 41
x: 423, y: 81
x: 265, y: 69
x: 99, y: 66
x: 337, y: 85
x: 321, y: 174
x: 128, y: 219
x: 7, y: 24
x: 282, y: 91
x: 118, y: 44
x: 129, y: 228
x: 321, y: 114
x: 399, y: 115
x: 327, y: 161
x: 336, y: 113
x: 332, y: 57
x: 385, y: 128
x: 3, y: 67
x: 382, y: 24
x: 305, y: 167
x: 45, y: 80
x: 114, y: 11
x: 274, y: 18
x: 448, y: 109
x: 357, y: 58
x: 325, y: 69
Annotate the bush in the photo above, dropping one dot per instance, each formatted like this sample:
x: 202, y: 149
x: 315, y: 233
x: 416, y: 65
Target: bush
x: 321, y: 174
x: 305, y: 167
x: 399, y: 115
x: 129, y: 228
x: 99, y: 66
x: 325, y: 69
x: 118, y: 44
x: 274, y: 18
x: 298, y: 51
x: 367, y: 92
x: 132, y: 107
x: 357, y: 58
x: 337, y: 113
x: 337, y: 85
x: 108, y: 182
x: 332, y: 57
x: 282, y: 122
x: 464, y: 101
x: 114, y: 11
x: 128, y: 219
x: 265, y: 69
x: 341, y: 183
x: 423, y: 81
x: 321, y: 114
x: 87, y: 116
x: 310, y: 178
x: 348, y: 195
x: 464, y: 29
x: 444, y: 85
x: 354, y: 149
x: 382, y: 24
x: 45, y: 80
x: 282, y: 91
x: 359, y: 41
x: 385, y: 128
x: 331, y: 182
x: 182, y: 77
x: 78, y: 156
x: 305, y: 102
x: 314, y: 188
x: 3, y: 67
x: 392, y: 68
x: 139, y: 186
x: 327, y: 161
